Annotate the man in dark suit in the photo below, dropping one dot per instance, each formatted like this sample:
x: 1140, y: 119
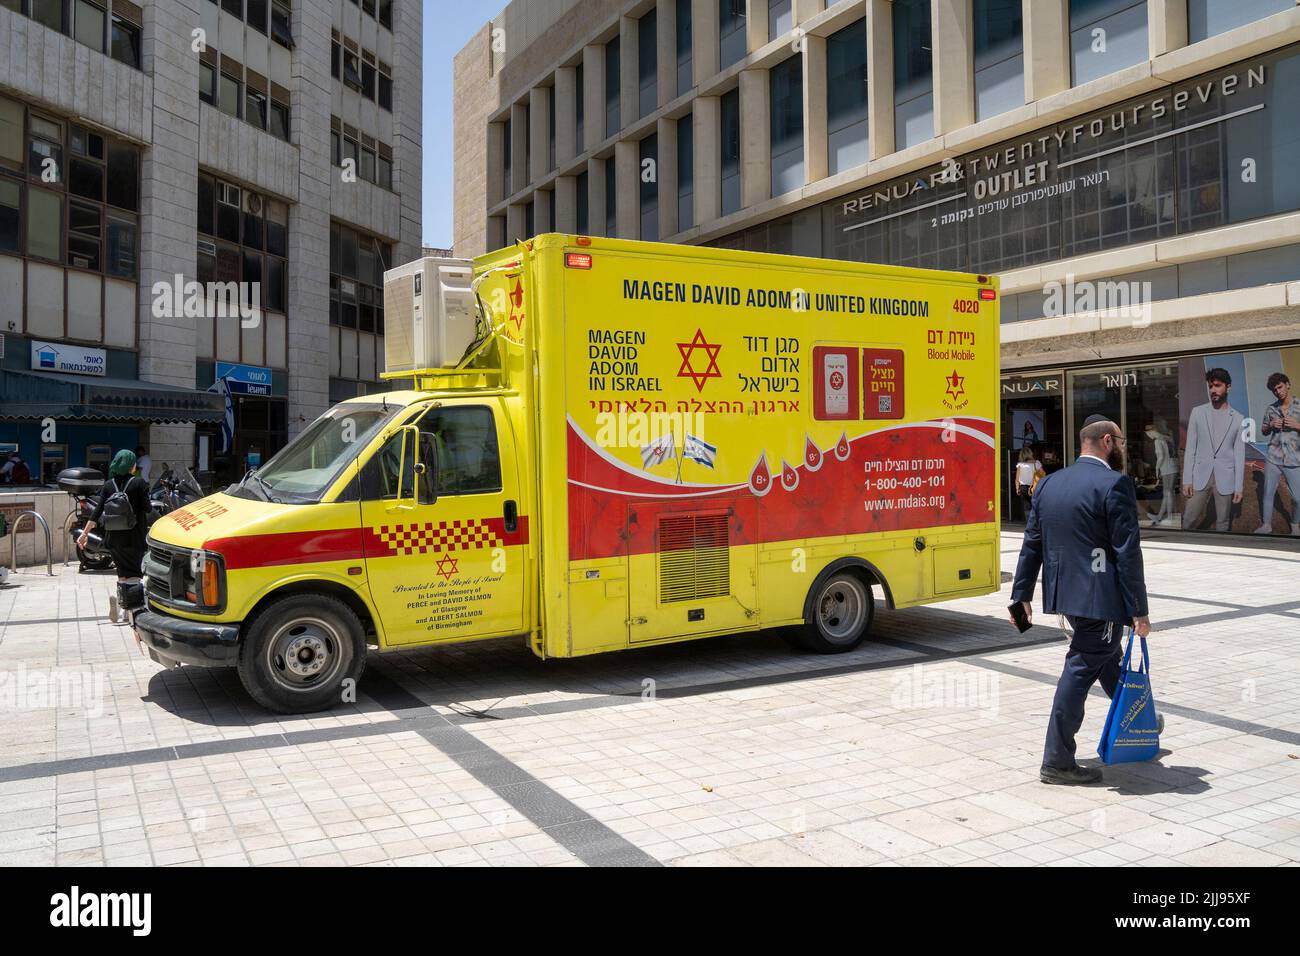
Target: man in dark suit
x: 1083, y: 533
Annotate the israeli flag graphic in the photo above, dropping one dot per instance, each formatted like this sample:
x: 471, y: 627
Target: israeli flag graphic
x: 698, y: 450
x: 658, y: 451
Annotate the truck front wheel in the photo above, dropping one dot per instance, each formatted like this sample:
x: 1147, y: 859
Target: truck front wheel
x: 299, y: 651
x: 840, y: 614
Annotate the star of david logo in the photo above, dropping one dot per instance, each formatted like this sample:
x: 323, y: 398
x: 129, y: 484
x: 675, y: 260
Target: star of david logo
x: 688, y: 350
x: 956, y: 385
x: 448, y: 567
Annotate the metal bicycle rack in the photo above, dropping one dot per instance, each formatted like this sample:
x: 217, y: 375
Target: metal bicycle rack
x: 13, y: 543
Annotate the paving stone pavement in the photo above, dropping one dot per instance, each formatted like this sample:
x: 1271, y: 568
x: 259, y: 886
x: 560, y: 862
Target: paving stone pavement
x: 919, y: 748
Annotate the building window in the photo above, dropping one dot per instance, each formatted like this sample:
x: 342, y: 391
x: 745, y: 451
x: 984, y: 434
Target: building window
x: 780, y: 18
x: 685, y: 47
x: 255, y: 16
x: 685, y: 172
x: 281, y: 17
x: 279, y: 120
x: 584, y: 204
x: 385, y: 98
x: 386, y: 13
x: 357, y: 265
x: 208, y: 83
x: 244, y: 237
x: 506, y: 157
x: 999, y: 57
x: 732, y: 44
x: 786, y: 83
x: 649, y: 153
x: 255, y: 109
x: 234, y: 7
x: 125, y: 40
x: 913, y: 76
x: 1208, y: 18
x: 580, y: 107
x: 99, y: 190
x: 847, y: 129
x: 730, y: 145
x: 231, y: 94
x: 1106, y: 36
x: 50, y: 13
x: 336, y: 58
x: 550, y: 130
x: 88, y: 24
x: 647, y: 62
x: 371, y: 159
x: 613, y: 86
x: 611, y: 198
x: 352, y: 70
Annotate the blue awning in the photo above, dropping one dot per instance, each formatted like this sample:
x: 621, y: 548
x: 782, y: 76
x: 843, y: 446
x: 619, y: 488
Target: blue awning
x: 34, y: 395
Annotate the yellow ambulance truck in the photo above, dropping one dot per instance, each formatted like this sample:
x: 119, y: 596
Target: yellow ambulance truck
x: 603, y: 445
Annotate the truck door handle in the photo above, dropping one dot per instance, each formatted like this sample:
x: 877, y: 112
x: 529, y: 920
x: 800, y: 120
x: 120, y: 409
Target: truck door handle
x: 512, y: 517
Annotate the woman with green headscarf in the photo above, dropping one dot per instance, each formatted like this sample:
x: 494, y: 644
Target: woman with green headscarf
x: 123, y: 510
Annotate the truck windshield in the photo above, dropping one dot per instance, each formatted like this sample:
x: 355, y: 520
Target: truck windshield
x: 306, y: 467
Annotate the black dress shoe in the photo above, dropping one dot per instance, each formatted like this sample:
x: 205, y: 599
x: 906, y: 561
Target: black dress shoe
x: 1074, y: 777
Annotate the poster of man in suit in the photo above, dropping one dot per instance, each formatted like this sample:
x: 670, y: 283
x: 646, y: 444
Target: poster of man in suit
x: 1240, y: 419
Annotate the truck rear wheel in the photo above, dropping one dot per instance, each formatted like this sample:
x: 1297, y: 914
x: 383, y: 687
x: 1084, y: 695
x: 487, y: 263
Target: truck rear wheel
x: 298, y: 652
x: 840, y: 613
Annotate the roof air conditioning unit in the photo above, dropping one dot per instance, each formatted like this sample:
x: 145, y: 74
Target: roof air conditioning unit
x: 430, y: 314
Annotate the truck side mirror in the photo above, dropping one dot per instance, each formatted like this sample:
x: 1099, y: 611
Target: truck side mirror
x: 411, y: 447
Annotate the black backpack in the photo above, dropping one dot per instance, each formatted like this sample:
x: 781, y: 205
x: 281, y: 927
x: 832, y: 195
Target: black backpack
x: 119, y: 513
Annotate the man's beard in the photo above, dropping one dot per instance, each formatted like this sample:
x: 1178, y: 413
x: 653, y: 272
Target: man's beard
x: 1116, y: 459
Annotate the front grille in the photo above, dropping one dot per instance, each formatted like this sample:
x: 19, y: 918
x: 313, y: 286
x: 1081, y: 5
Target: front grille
x: 165, y: 566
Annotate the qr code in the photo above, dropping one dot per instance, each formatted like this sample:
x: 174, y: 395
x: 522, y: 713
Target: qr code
x: 885, y: 404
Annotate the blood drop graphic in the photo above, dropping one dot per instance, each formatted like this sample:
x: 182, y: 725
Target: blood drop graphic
x: 789, y: 476
x: 812, y: 455
x: 842, y: 448
x: 760, y: 479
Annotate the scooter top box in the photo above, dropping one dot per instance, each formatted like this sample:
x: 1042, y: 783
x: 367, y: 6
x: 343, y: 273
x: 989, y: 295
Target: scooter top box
x: 80, y: 481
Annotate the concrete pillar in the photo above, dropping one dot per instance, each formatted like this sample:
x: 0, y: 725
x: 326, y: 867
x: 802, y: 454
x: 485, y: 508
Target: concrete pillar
x: 880, y: 82
x: 1047, y: 48
x: 1166, y: 26
x: 519, y: 171
x: 543, y: 203
x: 593, y: 94
x: 516, y: 223
x: 755, y: 137
x: 566, y: 114
x: 706, y: 131
x: 705, y: 53
x: 169, y: 185
x: 596, y: 197
x: 954, y: 66
x: 566, y: 204
x: 496, y: 155
x: 667, y: 170
x: 805, y: 10
x: 666, y: 19
x: 629, y: 103
x: 755, y: 24
x: 815, y: 144
x: 539, y: 115
x: 627, y: 163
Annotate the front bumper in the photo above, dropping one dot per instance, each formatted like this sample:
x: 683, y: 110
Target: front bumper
x: 171, y: 641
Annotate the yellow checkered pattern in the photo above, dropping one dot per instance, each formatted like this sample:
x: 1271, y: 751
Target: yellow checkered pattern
x: 456, y: 536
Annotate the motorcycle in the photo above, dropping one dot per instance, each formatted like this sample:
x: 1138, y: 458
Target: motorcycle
x: 83, y: 484
x: 173, y: 490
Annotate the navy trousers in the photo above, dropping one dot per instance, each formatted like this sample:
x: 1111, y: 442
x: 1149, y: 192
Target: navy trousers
x: 1095, y: 654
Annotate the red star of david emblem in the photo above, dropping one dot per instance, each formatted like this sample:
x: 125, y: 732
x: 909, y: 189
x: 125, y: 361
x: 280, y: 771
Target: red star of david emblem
x: 448, y: 567
x: 837, y: 380
x: 688, y: 350
x: 956, y: 385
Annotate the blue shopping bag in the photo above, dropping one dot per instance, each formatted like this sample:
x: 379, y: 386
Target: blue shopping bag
x: 1130, y: 733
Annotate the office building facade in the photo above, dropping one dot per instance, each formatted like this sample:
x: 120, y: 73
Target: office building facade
x: 157, y: 157
x: 1122, y: 165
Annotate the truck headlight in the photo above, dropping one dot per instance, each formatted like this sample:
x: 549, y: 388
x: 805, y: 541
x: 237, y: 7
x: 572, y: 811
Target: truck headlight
x: 206, y: 581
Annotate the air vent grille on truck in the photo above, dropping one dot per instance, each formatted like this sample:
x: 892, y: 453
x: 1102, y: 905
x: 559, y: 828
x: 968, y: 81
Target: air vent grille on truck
x: 694, y: 557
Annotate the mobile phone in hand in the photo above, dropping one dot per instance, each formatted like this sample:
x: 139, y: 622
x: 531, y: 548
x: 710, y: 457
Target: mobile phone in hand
x: 1018, y: 615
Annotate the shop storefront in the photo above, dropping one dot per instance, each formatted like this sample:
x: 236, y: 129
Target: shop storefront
x: 254, y: 428
x: 1213, y: 439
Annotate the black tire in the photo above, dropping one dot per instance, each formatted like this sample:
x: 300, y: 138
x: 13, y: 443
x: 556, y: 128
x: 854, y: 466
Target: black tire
x: 840, y: 611
x: 297, y: 652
